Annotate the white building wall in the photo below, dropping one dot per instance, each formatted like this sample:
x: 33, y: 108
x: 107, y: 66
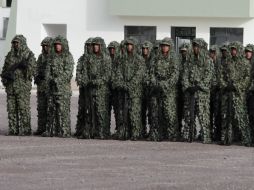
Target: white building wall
x: 4, y: 13
x: 90, y: 18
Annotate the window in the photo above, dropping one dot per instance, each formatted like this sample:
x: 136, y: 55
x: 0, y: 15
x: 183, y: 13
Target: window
x: 182, y: 34
x: 5, y: 26
x: 142, y: 33
x: 220, y: 35
x: 8, y: 3
x: 53, y: 30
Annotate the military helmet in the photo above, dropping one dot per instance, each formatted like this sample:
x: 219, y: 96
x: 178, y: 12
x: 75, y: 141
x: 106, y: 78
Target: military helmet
x: 249, y: 47
x: 224, y: 47
x: 166, y: 41
x: 46, y: 41
x: 131, y: 40
x: 98, y: 40
x: 184, y: 47
x: 19, y: 38
x: 147, y: 44
x: 89, y: 41
x: 58, y: 40
x: 113, y: 44
x: 235, y: 45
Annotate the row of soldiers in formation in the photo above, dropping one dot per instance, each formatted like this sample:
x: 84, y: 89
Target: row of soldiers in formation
x: 156, y: 94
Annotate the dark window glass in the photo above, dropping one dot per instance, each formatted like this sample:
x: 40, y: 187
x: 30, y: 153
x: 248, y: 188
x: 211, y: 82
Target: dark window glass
x: 142, y: 33
x: 182, y: 35
x: 220, y: 35
x: 8, y: 3
x: 5, y: 26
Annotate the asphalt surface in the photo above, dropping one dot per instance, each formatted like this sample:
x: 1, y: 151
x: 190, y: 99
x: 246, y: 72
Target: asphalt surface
x: 37, y: 163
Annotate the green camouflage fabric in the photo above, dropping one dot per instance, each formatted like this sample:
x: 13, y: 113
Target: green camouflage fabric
x: 197, y: 82
x: 59, y: 91
x: 82, y: 90
x: 156, y: 46
x: 127, y: 80
x: 234, y: 83
x: 184, y: 50
x: 17, y: 76
x: 164, y: 75
x: 146, y: 109
x: 114, y: 96
x: 41, y: 80
x: 96, y: 72
x: 215, y: 100
x: 250, y: 94
x: 116, y: 46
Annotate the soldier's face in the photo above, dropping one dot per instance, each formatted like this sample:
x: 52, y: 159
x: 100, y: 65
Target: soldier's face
x: 15, y: 45
x: 45, y: 49
x: 96, y: 48
x: 89, y: 48
x: 112, y: 51
x: 248, y: 55
x: 183, y: 53
x: 165, y: 48
x: 224, y: 53
x: 233, y: 52
x: 145, y: 51
x: 212, y: 54
x: 196, y: 49
x: 58, y: 48
x: 130, y: 48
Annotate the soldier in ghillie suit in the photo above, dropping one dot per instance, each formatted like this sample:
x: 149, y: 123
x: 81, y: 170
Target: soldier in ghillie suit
x: 156, y: 48
x: 215, y: 121
x: 95, y: 77
x: 17, y: 76
x: 146, y: 48
x: 197, y: 81
x: 249, y: 50
x: 163, y: 86
x: 114, y: 53
x: 88, y: 50
x: 128, y: 81
x: 41, y: 80
x: 61, y: 65
x: 184, y: 50
x: 234, y: 83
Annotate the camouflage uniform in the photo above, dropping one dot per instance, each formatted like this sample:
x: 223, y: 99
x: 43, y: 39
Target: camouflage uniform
x: 59, y: 93
x: 234, y: 83
x: 16, y: 76
x: 113, y: 93
x: 82, y: 91
x: 184, y: 50
x: 197, y: 81
x: 156, y: 47
x: 95, y: 77
x: 215, y: 121
x: 145, y: 95
x: 42, y: 85
x: 250, y: 94
x: 163, y: 83
x: 127, y: 80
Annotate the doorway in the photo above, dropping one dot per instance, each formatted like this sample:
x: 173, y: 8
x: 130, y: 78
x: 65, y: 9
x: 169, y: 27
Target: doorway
x: 182, y: 35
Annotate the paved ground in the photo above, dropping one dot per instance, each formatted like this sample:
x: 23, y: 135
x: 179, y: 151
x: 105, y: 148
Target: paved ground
x: 36, y: 163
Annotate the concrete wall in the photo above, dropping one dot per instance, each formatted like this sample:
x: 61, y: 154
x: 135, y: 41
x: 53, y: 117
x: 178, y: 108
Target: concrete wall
x: 90, y: 18
x: 183, y: 8
x: 4, y: 12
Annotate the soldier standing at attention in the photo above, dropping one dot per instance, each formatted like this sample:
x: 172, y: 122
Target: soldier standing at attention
x: 59, y: 95
x: 197, y: 81
x: 17, y: 76
x: 41, y: 80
